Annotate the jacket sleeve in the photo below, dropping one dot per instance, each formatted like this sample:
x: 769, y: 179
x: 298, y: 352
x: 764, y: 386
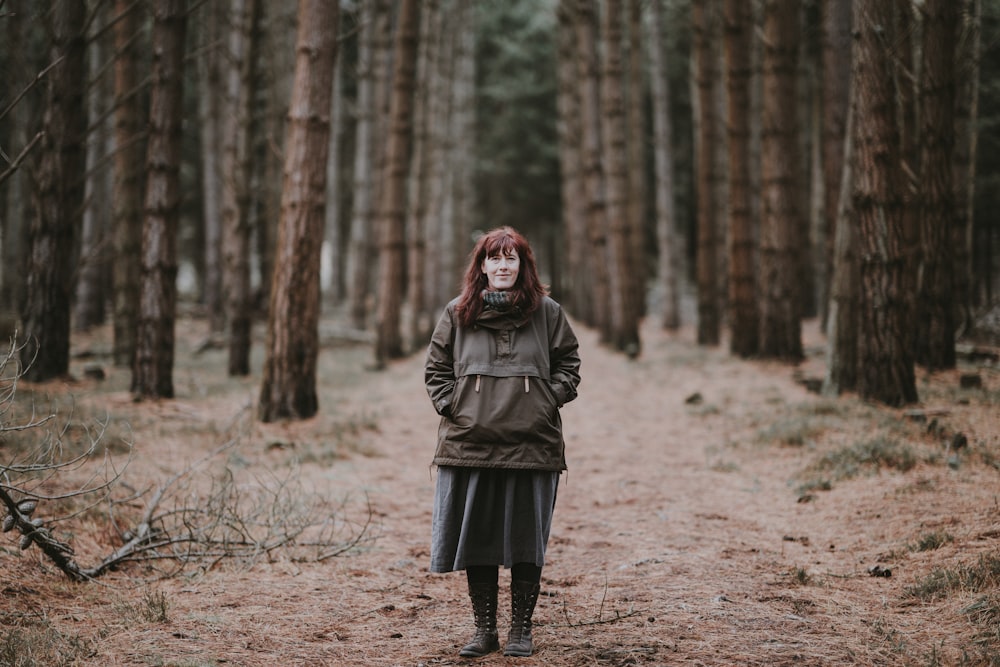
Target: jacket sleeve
x: 564, y: 358
x: 439, y: 369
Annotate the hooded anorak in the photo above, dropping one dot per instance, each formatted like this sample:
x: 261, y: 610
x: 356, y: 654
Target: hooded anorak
x: 498, y: 387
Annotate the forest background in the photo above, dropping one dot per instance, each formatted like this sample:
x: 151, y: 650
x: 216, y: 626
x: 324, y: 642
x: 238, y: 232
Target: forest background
x: 156, y: 151
x: 266, y: 165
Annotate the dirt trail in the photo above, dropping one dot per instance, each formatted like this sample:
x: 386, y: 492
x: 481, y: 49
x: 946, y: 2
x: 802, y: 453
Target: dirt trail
x: 679, y: 536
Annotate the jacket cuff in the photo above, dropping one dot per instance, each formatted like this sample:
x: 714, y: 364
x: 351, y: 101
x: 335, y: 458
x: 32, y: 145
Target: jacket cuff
x: 443, y: 406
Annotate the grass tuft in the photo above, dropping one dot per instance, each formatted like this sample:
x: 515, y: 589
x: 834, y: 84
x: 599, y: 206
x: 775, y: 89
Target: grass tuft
x: 38, y: 644
x: 151, y: 608
x: 977, y: 577
x: 931, y: 541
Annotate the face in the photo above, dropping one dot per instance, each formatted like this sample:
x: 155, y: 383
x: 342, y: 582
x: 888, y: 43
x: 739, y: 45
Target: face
x: 501, y: 269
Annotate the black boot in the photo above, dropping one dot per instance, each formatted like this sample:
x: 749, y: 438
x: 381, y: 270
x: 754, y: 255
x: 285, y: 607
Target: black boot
x: 523, y: 596
x: 484, y: 609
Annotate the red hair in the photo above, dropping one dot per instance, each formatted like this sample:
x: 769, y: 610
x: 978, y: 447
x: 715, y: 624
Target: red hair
x: 528, y: 290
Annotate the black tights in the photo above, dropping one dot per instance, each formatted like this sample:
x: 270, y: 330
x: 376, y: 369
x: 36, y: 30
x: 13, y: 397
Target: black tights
x: 488, y: 574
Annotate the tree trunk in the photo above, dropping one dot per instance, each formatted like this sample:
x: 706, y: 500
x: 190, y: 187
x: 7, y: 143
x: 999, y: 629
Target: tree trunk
x: 90, y: 306
x: 392, y: 205
x: 439, y: 264
x: 332, y: 288
x: 624, y: 318
x: 835, y: 58
x: 588, y: 78
x: 59, y: 181
x: 154, y: 354
x: 577, y: 279
x: 213, y: 117
x: 240, y: 81
x: 128, y: 180
x: 667, y: 242
x: 288, y: 388
x: 20, y: 124
x: 782, y: 224
x: 843, y: 325
x: 462, y: 115
x: 885, y: 359
x: 703, y: 54
x: 278, y: 23
x: 937, y: 195
x: 636, y: 203
x: 365, y: 177
x: 421, y: 319
x: 743, y: 317
x: 967, y: 67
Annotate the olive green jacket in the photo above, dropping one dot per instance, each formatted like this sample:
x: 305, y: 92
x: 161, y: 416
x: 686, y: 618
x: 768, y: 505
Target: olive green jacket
x: 498, y: 387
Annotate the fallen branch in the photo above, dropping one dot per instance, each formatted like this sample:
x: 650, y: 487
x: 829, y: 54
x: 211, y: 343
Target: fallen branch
x: 600, y: 620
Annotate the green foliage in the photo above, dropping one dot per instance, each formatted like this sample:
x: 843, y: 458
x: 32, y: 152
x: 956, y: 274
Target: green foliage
x: 517, y: 165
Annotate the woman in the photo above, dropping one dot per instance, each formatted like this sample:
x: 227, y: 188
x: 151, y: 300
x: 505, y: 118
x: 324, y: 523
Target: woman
x: 502, y: 361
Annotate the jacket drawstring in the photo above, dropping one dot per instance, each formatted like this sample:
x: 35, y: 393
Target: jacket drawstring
x: 478, y: 378
x: 526, y: 385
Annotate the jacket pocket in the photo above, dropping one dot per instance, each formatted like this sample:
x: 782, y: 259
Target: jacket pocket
x: 504, y: 410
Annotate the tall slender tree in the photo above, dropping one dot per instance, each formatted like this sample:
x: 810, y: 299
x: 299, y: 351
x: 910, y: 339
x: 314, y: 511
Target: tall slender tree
x: 938, y: 322
x: 667, y: 241
x: 92, y: 283
x: 58, y: 198
x: 843, y: 325
x: 417, y: 185
x: 703, y: 53
x: 462, y: 128
x: 835, y: 59
x: 885, y: 358
x: 392, y: 205
x: 288, y: 386
x: 782, y: 223
x: 128, y: 180
x: 593, y: 169
x: 577, y: 280
x: 967, y: 68
x: 743, y: 314
x: 624, y: 312
x: 365, y: 176
x: 439, y: 217
x: 236, y: 172
x: 213, y: 114
x: 636, y: 203
x: 152, y: 370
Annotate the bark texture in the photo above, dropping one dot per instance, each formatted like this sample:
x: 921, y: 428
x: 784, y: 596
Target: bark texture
x: 782, y: 223
x: 127, y: 182
x: 288, y: 387
x: 668, y: 241
x: 743, y: 314
x: 152, y: 370
x: 705, y: 71
x: 939, y: 224
x: 58, y: 200
x: 885, y: 359
x: 236, y: 172
x: 621, y: 263
x: 392, y: 204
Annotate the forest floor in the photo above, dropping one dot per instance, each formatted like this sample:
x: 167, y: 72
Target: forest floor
x: 715, y: 512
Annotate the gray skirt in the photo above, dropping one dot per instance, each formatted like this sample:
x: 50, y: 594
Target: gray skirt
x: 488, y: 516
